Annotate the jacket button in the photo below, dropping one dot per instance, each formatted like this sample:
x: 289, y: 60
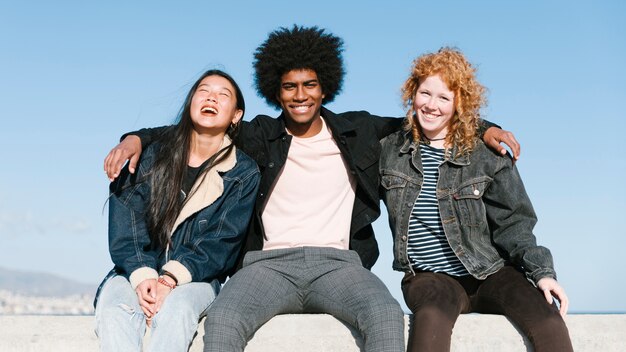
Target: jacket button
x: 404, y: 238
x: 270, y: 165
x: 409, y: 204
x: 476, y: 192
x: 261, y: 195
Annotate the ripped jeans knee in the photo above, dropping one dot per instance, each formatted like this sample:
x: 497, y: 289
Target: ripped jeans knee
x: 120, y: 322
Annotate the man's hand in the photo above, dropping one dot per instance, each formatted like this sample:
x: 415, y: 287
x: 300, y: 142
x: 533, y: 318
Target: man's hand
x: 494, y: 136
x: 146, y: 293
x: 550, y: 288
x: 128, y: 149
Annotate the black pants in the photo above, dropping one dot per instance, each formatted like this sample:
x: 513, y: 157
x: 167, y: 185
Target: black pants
x: 436, y: 301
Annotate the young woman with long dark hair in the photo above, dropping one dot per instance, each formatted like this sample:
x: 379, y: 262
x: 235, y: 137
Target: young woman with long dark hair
x: 176, y: 225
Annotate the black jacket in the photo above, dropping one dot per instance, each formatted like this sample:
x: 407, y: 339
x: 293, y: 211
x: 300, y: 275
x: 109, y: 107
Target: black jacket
x: 357, y: 134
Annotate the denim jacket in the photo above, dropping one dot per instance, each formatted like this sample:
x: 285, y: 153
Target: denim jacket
x: 485, y: 212
x: 208, y: 234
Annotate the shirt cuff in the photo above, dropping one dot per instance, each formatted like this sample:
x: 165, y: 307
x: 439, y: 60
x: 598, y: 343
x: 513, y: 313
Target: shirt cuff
x: 180, y: 271
x: 141, y: 274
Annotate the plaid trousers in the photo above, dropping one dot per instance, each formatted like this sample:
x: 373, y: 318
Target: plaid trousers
x: 304, y: 280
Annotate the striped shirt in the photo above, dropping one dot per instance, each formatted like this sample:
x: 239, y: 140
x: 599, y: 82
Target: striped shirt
x: 428, y: 248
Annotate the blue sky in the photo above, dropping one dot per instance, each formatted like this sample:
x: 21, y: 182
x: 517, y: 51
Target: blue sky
x: 75, y: 75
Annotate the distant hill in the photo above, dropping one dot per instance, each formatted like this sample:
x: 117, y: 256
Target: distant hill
x: 42, y: 284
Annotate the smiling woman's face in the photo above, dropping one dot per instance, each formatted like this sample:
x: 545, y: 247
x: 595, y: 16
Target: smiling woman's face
x: 214, y: 105
x: 434, y: 106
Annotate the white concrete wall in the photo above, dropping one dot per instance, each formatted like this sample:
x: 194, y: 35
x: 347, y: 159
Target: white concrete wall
x: 317, y: 332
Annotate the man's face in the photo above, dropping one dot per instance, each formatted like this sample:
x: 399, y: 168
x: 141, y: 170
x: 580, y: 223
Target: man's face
x: 301, y: 97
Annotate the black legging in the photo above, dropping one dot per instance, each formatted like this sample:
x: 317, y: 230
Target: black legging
x: 436, y: 301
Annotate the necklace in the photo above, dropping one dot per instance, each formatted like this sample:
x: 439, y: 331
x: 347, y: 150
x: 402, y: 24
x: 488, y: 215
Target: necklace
x: 427, y: 140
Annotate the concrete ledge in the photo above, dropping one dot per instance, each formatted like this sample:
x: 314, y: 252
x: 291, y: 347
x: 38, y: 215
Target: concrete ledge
x: 315, y: 332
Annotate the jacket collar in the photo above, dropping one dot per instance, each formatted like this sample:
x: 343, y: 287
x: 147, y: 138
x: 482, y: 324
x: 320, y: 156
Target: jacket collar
x: 337, y: 124
x: 277, y: 130
x: 408, y: 146
x: 460, y: 160
x: 208, y: 188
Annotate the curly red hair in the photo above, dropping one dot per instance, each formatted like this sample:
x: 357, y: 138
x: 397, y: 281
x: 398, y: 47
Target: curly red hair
x: 469, y: 95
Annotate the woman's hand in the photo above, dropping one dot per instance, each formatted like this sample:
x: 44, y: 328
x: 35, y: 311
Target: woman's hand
x: 550, y: 288
x: 128, y: 149
x: 146, y: 293
x: 163, y: 290
x: 494, y: 136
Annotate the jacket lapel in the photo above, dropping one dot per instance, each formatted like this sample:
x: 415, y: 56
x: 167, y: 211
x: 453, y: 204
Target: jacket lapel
x: 208, y: 188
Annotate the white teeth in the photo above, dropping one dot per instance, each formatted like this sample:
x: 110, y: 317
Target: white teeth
x: 209, y: 110
x: 301, y: 107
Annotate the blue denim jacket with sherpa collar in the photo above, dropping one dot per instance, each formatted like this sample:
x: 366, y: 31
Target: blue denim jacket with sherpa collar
x: 208, y: 234
x: 485, y: 212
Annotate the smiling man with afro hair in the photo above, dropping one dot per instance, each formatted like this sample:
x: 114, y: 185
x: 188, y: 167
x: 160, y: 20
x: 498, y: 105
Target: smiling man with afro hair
x: 299, y: 48
x: 311, y: 242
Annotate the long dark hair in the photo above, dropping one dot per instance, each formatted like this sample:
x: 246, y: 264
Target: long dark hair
x: 167, y: 175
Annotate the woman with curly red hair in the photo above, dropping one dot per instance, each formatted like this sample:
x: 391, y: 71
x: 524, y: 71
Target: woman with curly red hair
x: 460, y: 217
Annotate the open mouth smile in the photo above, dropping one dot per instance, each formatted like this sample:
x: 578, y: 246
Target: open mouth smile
x: 209, y: 110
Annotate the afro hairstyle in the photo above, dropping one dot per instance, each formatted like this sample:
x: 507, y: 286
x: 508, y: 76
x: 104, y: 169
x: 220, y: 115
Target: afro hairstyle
x: 298, y: 48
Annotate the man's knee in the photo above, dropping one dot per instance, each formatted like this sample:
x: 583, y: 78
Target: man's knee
x: 224, y: 317
x: 386, y: 311
x: 225, y: 329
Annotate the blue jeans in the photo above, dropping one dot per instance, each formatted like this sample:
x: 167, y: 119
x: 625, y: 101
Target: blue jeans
x: 121, y: 324
x: 304, y: 280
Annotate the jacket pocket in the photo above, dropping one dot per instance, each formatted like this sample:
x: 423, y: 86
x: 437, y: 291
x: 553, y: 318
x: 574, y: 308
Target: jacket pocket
x: 469, y: 203
x: 203, y: 225
x: 390, y: 181
x: 399, y: 189
x: 367, y: 156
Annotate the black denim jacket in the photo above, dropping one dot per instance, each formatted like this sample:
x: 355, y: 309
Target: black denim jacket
x: 485, y: 211
x: 357, y: 134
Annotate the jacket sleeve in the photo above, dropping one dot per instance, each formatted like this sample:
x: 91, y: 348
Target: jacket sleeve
x: 383, y: 126
x: 511, y: 219
x: 214, y: 251
x: 147, y: 135
x: 250, y: 138
x: 129, y: 240
x: 483, y: 126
